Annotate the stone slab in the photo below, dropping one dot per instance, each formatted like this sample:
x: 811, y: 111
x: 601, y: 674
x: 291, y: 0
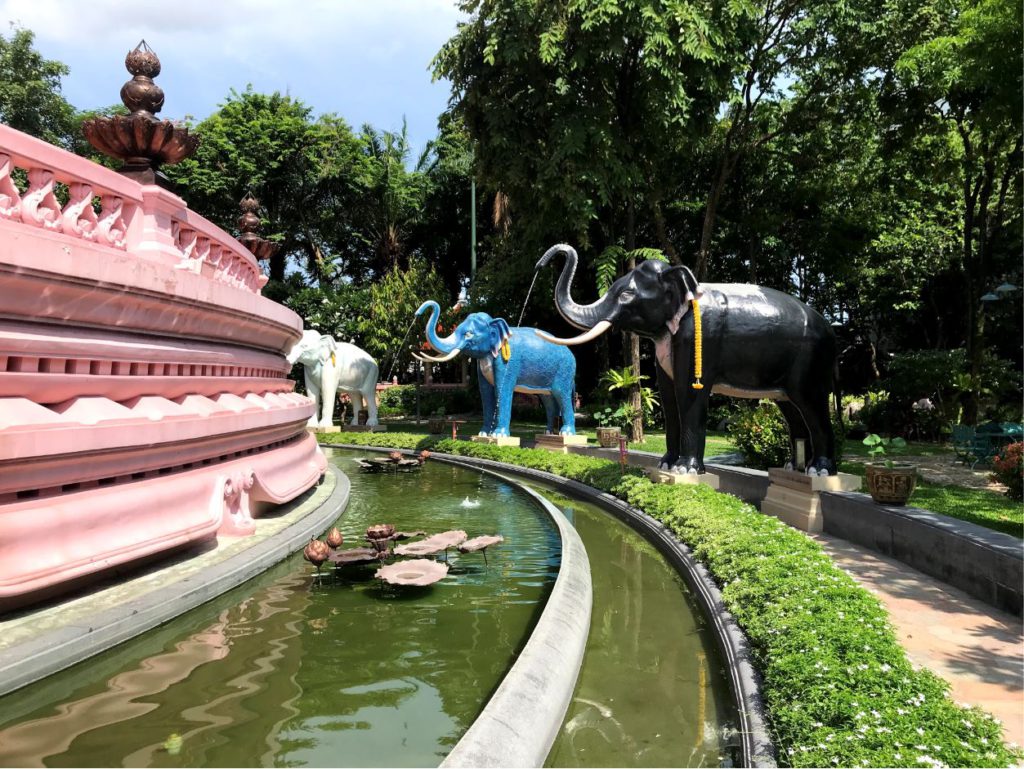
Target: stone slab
x: 798, y: 480
x: 559, y: 443
x: 683, y: 479
x: 324, y: 430
x: 501, y: 440
x: 800, y: 510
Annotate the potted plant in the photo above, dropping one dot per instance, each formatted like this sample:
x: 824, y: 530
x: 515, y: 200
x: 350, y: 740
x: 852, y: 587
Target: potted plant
x: 609, y: 421
x: 889, y: 483
x: 437, y: 424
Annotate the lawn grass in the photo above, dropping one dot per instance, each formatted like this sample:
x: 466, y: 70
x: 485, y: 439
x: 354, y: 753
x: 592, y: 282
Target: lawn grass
x: 986, y: 508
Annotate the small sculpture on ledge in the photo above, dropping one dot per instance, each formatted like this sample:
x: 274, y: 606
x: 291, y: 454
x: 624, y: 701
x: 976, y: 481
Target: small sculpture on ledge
x: 142, y: 141
x: 249, y: 226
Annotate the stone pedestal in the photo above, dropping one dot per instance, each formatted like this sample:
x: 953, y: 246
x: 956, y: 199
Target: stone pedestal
x: 794, y: 498
x: 364, y: 428
x: 501, y: 440
x: 682, y: 479
x: 324, y: 430
x: 559, y: 443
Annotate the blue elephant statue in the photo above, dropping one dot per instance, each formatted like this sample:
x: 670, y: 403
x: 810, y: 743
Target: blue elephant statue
x: 509, y: 360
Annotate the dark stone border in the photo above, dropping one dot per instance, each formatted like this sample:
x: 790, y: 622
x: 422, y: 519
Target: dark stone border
x: 62, y: 647
x: 985, y: 564
x: 745, y: 682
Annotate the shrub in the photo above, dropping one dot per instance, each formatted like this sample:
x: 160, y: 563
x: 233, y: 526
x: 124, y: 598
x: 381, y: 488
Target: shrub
x: 761, y: 436
x: 837, y: 685
x: 400, y: 400
x: 1008, y: 469
x: 415, y: 441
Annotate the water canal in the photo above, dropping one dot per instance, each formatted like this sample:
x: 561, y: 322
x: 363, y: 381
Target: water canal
x: 291, y: 671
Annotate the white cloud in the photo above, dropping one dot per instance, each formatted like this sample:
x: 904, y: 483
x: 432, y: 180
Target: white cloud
x: 366, y: 59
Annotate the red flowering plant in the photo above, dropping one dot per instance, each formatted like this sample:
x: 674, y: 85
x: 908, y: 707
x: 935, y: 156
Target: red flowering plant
x: 1008, y: 469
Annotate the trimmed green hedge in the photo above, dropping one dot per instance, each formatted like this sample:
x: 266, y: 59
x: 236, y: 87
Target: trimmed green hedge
x: 384, y: 440
x: 838, y: 687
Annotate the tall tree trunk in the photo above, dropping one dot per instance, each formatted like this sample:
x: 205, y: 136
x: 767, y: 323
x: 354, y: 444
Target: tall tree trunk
x: 635, y: 402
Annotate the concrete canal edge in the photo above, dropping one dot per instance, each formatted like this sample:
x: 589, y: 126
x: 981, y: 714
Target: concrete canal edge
x: 41, y: 643
x: 758, y: 749
x: 521, y: 721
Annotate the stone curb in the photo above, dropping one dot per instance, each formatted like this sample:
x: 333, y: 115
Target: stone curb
x: 758, y: 749
x: 63, y: 647
x: 522, y: 719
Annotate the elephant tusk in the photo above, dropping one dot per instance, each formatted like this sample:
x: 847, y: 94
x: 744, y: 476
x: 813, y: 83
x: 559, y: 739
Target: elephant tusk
x: 431, y: 359
x: 594, y: 333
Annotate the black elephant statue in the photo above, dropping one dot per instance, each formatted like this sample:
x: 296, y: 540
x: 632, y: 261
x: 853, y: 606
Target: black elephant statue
x: 739, y: 340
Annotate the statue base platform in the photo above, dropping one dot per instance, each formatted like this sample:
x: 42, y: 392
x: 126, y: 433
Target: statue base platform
x: 324, y: 430
x: 794, y: 497
x: 683, y: 479
x: 501, y: 440
x: 558, y: 443
x: 364, y: 428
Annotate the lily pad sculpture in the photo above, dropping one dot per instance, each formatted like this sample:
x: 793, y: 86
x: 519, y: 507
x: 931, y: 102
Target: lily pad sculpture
x: 433, y: 544
x: 400, y: 535
x: 481, y: 544
x: 419, y: 572
x: 316, y: 552
x: 354, y: 555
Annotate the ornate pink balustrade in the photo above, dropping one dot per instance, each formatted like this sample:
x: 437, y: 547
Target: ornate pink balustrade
x: 144, y: 404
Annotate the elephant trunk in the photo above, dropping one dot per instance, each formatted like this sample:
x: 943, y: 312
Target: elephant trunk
x: 583, y: 317
x: 442, y: 345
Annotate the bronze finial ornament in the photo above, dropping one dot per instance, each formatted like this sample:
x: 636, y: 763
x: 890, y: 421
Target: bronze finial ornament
x: 249, y: 226
x: 142, y: 141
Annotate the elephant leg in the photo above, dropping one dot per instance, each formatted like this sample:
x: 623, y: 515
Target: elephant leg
x: 813, y: 407
x: 488, y: 402
x: 672, y: 425
x: 562, y: 393
x: 694, y: 418
x: 505, y: 376
x: 550, y: 412
x: 797, y: 431
x: 313, y: 391
x: 356, y: 399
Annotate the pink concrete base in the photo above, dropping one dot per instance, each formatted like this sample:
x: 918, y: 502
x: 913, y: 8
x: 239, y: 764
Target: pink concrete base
x: 51, y: 540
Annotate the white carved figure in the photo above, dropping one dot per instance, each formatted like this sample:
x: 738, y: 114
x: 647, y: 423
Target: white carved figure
x: 331, y: 367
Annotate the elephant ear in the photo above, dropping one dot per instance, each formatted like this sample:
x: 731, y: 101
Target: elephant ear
x: 327, y: 346
x: 499, y: 333
x: 689, y: 291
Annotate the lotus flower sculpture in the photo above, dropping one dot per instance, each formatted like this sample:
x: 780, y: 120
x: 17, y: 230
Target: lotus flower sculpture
x: 334, y: 539
x: 419, y: 572
x: 316, y: 552
x: 379, y: 535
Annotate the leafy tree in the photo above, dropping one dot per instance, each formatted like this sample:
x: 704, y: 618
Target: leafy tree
x: 30, y: 91
x: 304, y: 171
x: 389, y: 329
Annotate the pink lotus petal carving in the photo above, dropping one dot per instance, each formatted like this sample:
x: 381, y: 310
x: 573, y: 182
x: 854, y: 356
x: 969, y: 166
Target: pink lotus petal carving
x: 354, y: 555
x: 479, y: 543
x: 419, y: 572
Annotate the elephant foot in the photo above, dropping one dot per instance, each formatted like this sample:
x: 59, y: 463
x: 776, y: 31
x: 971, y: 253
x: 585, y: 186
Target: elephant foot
x: 822, y: 467
x: 501, y: 433
x: 788, y: 466
x: 483, y: 434
x: 372, y: 422
x: 667, y: 461
x: 689, y: 466
x: 567, y: 431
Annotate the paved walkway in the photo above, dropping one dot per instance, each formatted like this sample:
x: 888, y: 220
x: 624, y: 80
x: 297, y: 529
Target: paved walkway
x: 943, y: 471
x: 979, y: 650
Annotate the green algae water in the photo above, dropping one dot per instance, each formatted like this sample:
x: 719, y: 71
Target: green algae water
x: 288, y: 670
x: 653, y: 690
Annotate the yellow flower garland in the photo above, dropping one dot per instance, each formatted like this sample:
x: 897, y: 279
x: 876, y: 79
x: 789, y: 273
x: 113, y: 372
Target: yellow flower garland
x: 698, y: 358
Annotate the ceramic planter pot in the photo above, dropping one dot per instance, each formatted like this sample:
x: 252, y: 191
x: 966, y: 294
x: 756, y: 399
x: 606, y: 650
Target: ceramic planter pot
x: 608, y: 437
x: 891, y: 485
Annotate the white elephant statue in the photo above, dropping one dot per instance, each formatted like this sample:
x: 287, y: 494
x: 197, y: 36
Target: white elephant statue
x: 331, y: 367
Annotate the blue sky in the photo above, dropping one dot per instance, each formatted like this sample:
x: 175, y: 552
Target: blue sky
x: 366, y: 60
